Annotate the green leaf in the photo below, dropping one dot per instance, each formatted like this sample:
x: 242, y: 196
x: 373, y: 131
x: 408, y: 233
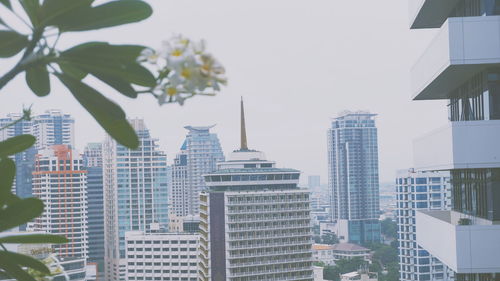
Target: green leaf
x: 71, y: 70
x: 7, y: 175
x: 14, y: 270
x: 16, y: 144
x: 32, y: 9
x: 20, y: 212
x: 6, y: 3
x: 25, y: 261
x: 55, y: 11
x: 118, y: 84
x: 11, y: 43
x: 112, y: 62
x: 109, y: 115
x: 34, y: 239
x: 37, y: 78
x: 107, y: 15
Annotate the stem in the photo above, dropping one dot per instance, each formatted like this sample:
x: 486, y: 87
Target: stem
x: 21, y: 65
x: 3, y: 247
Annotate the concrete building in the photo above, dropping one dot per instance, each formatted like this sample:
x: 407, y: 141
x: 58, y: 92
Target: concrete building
x: 59, y: 180
x: 419, y: 191
x: 329, y: 254
x: 135, y: 194
x: 92, y: 157
x: 353, y: 177
x: 254, y: 221
x: 199, y: 154
x: 461, y: 65
x: 161, y: 256
x: 50, y: 128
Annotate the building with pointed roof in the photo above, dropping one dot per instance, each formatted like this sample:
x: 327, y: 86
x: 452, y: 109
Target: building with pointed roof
x: 254, y: 220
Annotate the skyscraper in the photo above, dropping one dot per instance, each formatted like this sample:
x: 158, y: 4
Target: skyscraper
x: 93, y: 164
x: 255, y: 221
x: 135, y: 194
x: 461, y: 66
x: 59, y: 180
x: 313, y: 182
x: 419, y: 191
x: 200, y: 152
x: 353, y: 177
x: 51, y: 128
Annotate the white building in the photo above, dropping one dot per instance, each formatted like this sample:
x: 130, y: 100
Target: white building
x: 461, y: 65
x: 199, y: 154
x: 135, y: 194
x: 359, y: 276
x: 255, y: 221
x: 161, y: 256
x: 329, y: 254
x: 59, y: 180
x: 419, y: 191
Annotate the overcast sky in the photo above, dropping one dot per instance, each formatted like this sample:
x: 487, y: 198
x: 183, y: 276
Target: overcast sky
x: 296, y: 63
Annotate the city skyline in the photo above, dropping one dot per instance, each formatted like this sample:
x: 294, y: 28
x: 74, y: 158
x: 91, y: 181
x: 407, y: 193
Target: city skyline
x: 282, y: 119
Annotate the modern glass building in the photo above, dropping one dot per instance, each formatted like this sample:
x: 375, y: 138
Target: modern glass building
x: 135, y: 194
x: 419, y: 191
x: 199, y: 154
x: 461, y: 65
x: 59, y: 180
x: 92, y: 157
x: 255, y: 222
x: 353, y: 177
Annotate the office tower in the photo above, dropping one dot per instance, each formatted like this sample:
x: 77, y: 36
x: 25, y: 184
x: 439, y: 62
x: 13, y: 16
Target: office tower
x: 461, y: 66
x: 200, y: 152
x: 353, y: 177
x: 254, y: 221
x: 313, y: 182
x: 135, y: 194
x: 161, y: 256
x: 419, y: 191
x: 59, y: 180
x: 51, y: 128
x: 92, y: 157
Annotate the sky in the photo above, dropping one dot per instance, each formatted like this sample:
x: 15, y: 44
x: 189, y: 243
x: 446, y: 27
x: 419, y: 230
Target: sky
x: 297, y: 64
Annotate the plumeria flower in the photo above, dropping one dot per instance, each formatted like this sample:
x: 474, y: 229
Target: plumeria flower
x: 149, y: 55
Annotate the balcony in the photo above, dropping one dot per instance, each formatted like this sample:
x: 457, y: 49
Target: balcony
x: 463, y: 47
x: 429, y: 13
x: 459, y: 145
x: 472, y: 248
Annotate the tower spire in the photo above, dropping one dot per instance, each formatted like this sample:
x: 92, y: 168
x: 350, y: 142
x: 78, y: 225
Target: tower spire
x: 243, y: 145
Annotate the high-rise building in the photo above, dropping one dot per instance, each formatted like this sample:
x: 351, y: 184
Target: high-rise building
x: 161, y: 256
x: 313, y: 182
x: 200, y: 152
x: 353, y: 177
x: 419, y: 191
x: 254, y: 221
x: 135, y: 194
x: 92, y: 157
x: 51, y: 128
x: 59, y: 180
x: 461, y: 65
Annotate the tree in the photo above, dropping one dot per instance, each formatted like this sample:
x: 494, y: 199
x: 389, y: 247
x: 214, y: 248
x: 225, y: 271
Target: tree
x: 329, y: 238
x: 389, y: 228
x: 181, y: 70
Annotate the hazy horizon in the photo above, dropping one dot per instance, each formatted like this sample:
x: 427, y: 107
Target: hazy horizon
x: 297, y: 64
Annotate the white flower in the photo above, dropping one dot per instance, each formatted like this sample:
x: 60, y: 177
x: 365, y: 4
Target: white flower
x: 149, y: 55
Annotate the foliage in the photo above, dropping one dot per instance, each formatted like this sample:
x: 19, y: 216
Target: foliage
x: 328, y: 238
x: 186, y: 70
x: 385, y: 260
x: 389, y: 228
x: 341, y: 267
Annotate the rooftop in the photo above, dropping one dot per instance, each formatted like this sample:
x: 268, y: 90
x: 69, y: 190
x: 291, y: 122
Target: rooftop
x: 348, y: 247
x: 254, y: 170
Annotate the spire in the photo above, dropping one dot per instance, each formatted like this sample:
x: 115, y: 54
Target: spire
x: 243, y: 145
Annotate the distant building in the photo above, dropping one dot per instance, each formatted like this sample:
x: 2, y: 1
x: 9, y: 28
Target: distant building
x: 359, y: 276
x: 199, y: 154
x: 161, y: 256
x: 60, y: 181
x: 92, y: 157
x: 353, y: 177
x: 419, y: 191
x: 329, y: 254
x: 313, y: 182
x: 255, y: 221
x: 188, y: 224
x: 135, y: 194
